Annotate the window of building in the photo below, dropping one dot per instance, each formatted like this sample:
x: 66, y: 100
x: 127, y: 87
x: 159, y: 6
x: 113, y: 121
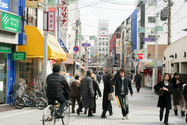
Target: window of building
x: 106, y: 44
x: 151, y: 36
x: 152, y: 19
x: 99, y: 38
x: 103, y: 43
x: 103, y: 38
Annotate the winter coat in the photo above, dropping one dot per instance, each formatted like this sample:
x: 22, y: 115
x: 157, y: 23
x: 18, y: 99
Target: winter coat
x: 116, y: 76
x: 96, y: 88
x: 87, y: 91
x: 177, y: 91
x: 55, y: 81
x: 75, y: 86
x: 165, y: 100
x: 127, y: 85
x: 108, y: 88
x: 138, y: 79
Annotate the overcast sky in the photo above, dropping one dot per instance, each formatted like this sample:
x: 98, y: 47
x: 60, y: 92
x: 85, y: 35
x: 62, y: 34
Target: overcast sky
x: 115, y: 11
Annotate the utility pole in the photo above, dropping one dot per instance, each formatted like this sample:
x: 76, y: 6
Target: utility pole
x: 169, y: 23
x: 45, y: 50
x: 80, y: 48
x: 156, y: 49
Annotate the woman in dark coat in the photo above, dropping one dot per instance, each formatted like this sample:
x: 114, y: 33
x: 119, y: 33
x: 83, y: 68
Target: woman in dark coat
x: 178, y: 97
x: 108, y: 88
x: 165, y: 100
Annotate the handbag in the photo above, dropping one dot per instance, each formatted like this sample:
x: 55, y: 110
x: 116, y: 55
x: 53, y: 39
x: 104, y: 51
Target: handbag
x: 160, y: 92
x: 111, y: 97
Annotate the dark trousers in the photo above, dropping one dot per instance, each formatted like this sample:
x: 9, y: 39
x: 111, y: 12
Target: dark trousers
x: 61, y: 99
x: 123, y: 99
x: 73, y: 99
x: 166, y: 114
x: 90, y: 111
x: 104, y: 112
x: 138, y: 86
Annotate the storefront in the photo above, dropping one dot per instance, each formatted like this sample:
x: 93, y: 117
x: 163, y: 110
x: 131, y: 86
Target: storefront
x: 31, y: 69
x: 4, y: 50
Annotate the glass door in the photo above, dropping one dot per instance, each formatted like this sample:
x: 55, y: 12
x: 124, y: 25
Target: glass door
x: 3, y: 77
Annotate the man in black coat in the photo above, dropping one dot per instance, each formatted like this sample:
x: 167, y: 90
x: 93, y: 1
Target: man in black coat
x: 121, y: 91
x: 138, y: 81
x: 116, y: 76
x: 55, y: 81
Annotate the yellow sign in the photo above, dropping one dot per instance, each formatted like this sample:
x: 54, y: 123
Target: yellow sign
x: 34, y: 3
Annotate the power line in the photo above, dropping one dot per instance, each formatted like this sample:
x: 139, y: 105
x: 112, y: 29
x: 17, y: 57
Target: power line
x: 119, y: 3
x: 85, y: 6
x: 179, y: 9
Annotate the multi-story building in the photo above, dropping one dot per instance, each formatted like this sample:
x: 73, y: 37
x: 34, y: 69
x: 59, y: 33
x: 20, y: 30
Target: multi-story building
x: 102, y: 42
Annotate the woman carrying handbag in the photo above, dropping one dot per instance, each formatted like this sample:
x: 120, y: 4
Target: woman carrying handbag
x: 108, y: 88
x: 164, y: 100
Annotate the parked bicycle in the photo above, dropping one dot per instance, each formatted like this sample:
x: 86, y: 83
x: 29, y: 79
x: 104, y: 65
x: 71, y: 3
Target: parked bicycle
x: 50, y: 114
x: 32, y: 100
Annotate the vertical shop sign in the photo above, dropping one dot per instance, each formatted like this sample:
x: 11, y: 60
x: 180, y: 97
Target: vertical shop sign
x: 51, y: 21
x: 64, y: 13
x: 118, y: 46
x: 50, y: 18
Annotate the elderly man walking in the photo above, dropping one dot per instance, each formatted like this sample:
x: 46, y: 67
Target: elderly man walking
x: 87, y: 93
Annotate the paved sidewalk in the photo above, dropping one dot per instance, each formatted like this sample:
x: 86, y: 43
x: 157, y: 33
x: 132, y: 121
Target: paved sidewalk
x: 143, y: 111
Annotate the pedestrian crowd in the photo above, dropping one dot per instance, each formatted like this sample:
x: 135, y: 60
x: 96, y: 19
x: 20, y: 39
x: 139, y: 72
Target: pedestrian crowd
x: 85, y: 92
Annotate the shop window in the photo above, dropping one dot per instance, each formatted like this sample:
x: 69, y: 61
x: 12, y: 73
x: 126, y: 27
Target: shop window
x: 31, y: 16
x: 30, y: 72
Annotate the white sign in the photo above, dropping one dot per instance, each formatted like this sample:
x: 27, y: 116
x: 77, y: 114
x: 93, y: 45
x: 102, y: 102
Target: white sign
x: 64, y: 13
x: 1, y: 86
x: 51, y: 21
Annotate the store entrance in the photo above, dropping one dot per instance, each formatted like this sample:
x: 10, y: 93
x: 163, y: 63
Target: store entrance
x: 3, y: 77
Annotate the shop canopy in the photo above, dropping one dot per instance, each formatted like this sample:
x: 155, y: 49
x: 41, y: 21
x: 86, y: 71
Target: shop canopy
x: 35, y: 45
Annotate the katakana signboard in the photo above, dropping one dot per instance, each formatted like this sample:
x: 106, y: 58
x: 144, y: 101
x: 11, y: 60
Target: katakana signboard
x: 64, y: 13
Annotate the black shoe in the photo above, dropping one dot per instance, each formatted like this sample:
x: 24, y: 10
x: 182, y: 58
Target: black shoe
x: 186, y: 118
x: 78, y: 113
x: 111, y: 114
x: 176, y: 112
x: 85, y: 112
x: 73, y: 111
x: 103, y: 117
x: 59, y: 115
x: 166, y: 124
x: 160, y: 119
x: 182, y: 113
x: 90, y: 115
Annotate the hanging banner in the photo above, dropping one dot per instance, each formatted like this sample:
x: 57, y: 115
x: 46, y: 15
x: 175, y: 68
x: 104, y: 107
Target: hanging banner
x: 118, y: 46
x: 64, y: 13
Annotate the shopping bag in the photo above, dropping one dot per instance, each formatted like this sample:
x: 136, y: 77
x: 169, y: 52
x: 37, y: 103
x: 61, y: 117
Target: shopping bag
x: 118, y: 102
x: 111, y: 97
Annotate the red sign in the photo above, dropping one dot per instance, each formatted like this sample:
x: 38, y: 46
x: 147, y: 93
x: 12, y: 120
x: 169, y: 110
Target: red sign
x: 76, y: 49
x: 64, y: 13
x: 128, y: 51
x: 139, y: 56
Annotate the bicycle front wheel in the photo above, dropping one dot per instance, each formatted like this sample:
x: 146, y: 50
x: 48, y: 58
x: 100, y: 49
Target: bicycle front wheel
x: 40, y: 103
x: 19, y: 103
x: 66, y: 113
x: 49, y: 116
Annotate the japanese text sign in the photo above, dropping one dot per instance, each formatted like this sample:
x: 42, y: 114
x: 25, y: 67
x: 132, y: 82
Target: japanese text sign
x: 10, y: 22
x: 51, y: 21
x: 49, y: 17
x: 5, y: 5
x: 64, y: 13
